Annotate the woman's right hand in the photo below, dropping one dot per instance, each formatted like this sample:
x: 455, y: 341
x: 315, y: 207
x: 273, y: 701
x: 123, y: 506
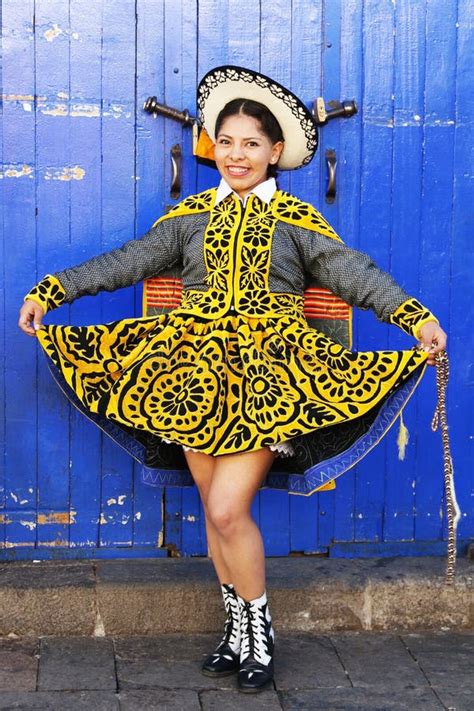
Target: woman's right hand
x: 30, y: 312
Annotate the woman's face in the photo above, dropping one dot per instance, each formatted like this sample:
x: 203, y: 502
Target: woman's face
x: 243, y: 152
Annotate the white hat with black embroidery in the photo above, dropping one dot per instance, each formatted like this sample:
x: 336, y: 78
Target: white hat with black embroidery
x: 226, y: 83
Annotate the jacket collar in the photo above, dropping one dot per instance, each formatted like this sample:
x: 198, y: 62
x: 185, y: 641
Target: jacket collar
x: 265, y: 191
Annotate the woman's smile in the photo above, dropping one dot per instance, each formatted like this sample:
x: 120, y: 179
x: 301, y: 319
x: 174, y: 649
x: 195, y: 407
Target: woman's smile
x: 243, y: 153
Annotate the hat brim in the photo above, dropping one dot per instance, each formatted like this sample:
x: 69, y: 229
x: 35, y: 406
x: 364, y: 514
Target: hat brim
x: 226, y: 83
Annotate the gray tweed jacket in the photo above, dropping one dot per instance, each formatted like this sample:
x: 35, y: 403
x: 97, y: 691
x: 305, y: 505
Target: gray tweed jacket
x: 298, y: 256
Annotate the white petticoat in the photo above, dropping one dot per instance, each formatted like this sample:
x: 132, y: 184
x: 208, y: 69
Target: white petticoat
x: 283, y: 449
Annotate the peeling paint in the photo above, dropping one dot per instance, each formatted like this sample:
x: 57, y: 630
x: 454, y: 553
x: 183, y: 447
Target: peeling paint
x: 16, y: 544
x: 86, y: 110
x: 119, y: 500
x: 27, y: 107
x: 57, y: 110
x: 138, y: 515
x: 57, y: 517
x: 28, y: 524
x: 190, y: 518
x: 66, y: 173
x: 52, y: 33
x: 18, y: 97
x: 82, y: 110
x: 14, y: 496
x: 26, y: 171
x: 102, y: 519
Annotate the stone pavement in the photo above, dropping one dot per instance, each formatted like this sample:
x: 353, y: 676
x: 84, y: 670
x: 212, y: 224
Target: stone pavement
x: 339, y: 670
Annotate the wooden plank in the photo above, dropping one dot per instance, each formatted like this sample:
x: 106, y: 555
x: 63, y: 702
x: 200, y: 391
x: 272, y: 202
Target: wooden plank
x: 118, y: 191
x: 173, y: 132
x: 306, y: 73
x: 349, y: 192
x: 84, y: 241
x: 331, y: 34
x: 400, y: 509
x: 149, y: 200
x: 193, y: 525
x: 19, y: 183
x: 3, y: 410
x: 52, y: 161
x: 461, y: 412
x: 212, y: 51
x: 434, y: 247
x: 374, y: 221
x: 180, y: 45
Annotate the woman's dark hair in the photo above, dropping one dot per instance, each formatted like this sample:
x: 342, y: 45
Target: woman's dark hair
x: 268, y: 123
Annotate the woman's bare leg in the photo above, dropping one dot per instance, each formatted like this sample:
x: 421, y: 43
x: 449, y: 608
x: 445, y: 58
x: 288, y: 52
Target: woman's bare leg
x: 236, y: 479
x: 201, y: 467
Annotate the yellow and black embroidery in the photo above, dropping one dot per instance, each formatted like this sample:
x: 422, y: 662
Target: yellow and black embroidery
x: 234, y: 368
x: 411, y: 316
x: 49, y: 293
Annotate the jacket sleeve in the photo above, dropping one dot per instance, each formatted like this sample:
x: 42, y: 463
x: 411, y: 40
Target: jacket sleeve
x: 356, y: 279
x: 157, y: 250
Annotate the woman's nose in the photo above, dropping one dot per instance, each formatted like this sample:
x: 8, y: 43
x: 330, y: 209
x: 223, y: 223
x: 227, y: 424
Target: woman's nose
x: 237, y: 152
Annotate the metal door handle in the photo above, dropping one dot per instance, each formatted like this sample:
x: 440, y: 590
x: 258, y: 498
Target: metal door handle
x: 176, y: 162
x: 331, y: 163
x: 338, y: 109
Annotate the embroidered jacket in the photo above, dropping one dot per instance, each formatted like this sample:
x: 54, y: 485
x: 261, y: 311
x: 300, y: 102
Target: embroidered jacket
x: 255, y: 260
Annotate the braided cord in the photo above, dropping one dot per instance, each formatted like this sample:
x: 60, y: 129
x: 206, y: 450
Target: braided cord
x: 440, y: 418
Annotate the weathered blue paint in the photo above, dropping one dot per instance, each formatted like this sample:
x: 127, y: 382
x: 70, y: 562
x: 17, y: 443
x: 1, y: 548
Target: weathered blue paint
x: 84, y: 169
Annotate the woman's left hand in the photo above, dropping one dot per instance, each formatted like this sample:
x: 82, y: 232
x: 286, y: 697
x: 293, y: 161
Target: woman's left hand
x: 432, y: 339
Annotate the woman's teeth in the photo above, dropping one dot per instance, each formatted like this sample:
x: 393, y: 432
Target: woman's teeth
x: 237, y: 171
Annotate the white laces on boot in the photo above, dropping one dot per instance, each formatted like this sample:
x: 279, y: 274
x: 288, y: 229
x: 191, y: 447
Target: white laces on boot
x: 232, y: 623
x: 257, y: 634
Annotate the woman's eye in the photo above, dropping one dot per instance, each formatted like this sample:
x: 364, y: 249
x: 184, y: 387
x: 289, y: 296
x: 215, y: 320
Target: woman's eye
x: 252, y: 144
x: 223, y: 141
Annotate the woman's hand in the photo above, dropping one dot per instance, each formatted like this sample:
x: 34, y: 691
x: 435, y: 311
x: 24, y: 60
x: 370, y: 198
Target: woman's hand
x: 432, y: 339
x: 30, y: 312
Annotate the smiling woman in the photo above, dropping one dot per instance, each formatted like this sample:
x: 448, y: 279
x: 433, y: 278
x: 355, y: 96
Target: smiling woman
x: 234, y: 376
x: 249, y: 142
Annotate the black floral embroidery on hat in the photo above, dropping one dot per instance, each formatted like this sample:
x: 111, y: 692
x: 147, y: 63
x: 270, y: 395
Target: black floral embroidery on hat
x: 297, y: 108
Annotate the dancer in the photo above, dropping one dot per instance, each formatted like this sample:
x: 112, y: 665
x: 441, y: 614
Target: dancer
x: 235, y: 377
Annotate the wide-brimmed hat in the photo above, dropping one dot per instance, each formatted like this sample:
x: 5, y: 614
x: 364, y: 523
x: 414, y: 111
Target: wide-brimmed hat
x: 223, y: 84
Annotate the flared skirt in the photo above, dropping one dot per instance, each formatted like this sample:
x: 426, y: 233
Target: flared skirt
x: 229, y: 385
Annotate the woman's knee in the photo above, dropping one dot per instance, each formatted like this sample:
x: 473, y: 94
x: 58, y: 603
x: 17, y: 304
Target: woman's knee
x: 226, y: 517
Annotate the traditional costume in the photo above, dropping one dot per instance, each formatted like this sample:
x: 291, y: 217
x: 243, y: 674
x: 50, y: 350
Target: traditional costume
x: 236, y: 366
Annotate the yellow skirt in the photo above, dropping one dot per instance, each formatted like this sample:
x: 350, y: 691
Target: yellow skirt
x: 233, y: 384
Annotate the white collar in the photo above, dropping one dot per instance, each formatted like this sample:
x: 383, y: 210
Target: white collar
x: 264, y: 191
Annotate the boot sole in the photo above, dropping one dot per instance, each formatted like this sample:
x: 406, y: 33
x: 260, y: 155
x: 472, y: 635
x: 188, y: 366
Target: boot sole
x: 264, y: 687
x: 216, y: 675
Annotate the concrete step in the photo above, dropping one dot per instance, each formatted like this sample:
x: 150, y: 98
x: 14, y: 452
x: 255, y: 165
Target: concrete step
x: 169, y: 595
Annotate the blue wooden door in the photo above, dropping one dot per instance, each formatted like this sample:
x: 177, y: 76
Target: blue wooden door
x: 84, y: 169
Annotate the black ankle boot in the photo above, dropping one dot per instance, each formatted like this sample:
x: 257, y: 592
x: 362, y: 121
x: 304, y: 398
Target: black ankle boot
x: 225, y: 659
x: 257, y: 643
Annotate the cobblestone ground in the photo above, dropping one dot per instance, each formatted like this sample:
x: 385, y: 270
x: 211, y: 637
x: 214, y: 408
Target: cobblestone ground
x: 352, y: 670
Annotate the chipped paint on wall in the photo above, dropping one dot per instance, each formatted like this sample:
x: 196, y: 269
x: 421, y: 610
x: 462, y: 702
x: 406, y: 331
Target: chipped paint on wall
x: 66, y: 173
x: 119, y: 500
x: 28, y: 524
x: 53, y: 32
x: 57, y: 517
x: 12, y: 172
